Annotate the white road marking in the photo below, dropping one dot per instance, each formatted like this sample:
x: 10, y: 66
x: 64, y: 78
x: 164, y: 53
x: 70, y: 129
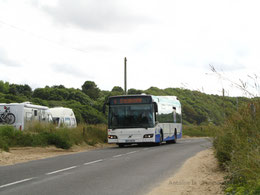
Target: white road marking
x: 16, y: 182
x: 92, y: 162
x: 61, y: 170
x: 118, y: 155
x: 146, y: 148
x: 132, y: 152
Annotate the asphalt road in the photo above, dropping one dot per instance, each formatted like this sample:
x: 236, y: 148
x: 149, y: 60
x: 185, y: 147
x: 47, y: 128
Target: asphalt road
x: 130, y: 170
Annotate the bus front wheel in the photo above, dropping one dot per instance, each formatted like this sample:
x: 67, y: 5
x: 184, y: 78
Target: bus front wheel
x: 121, y: 145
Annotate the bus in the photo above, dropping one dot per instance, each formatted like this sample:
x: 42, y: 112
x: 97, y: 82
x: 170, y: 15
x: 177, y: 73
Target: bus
x: 137, y: 119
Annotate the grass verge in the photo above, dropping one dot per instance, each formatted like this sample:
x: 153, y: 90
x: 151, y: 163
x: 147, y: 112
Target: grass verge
x: 38, y: 134
x: 237, y: 147
x: 199, y: 130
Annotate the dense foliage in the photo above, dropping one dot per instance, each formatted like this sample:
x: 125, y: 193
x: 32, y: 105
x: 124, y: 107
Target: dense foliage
x: 237, y: 146
x: 87, y: 103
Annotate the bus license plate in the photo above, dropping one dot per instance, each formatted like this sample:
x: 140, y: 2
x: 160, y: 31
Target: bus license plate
x: 130, y: 140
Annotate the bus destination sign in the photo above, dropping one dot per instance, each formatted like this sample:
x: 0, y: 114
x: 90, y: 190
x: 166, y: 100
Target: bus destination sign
x: 130, y: 100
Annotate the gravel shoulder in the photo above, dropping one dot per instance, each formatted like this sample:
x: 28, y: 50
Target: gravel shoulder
x: 200, y: 175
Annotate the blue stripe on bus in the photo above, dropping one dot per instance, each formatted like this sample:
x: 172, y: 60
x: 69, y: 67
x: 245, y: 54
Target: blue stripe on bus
x: 157, y: 138
x: 169, y: 138
x: 179, y: 135
x: 173, y: 137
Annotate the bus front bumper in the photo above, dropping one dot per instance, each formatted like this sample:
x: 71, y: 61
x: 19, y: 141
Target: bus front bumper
x: 131, y: 140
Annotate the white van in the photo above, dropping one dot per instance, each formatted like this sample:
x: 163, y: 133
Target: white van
x: 63, y: 116
x: 21, y: 114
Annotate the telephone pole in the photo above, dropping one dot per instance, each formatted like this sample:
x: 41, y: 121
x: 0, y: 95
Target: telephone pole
x: 125, y: 77
x: 223, y: 93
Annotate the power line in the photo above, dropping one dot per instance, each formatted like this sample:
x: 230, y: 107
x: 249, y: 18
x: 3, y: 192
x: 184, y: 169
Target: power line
x: 41, y: 37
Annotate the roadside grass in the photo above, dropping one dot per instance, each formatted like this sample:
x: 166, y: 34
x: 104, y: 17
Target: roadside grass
x: 237, y: 147
x: 199, y: 130
x: 40, y: 134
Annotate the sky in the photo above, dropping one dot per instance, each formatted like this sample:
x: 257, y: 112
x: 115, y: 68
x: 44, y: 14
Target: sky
x: 168, y: 43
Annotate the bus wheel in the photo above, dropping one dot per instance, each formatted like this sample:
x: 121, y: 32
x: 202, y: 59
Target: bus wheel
x: 161, y: 138
x: 121, y: 145
x: 175, y: 138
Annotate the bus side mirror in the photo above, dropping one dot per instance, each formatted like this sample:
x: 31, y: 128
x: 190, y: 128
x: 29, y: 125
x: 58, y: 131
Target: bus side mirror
x: 155, y: 107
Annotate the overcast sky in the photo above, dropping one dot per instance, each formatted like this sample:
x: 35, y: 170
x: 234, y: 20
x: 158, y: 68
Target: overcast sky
x: 168, y: 43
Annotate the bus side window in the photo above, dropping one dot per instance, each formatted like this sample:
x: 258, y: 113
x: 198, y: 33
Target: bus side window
x: 178, y: 118
x: 174, y: 114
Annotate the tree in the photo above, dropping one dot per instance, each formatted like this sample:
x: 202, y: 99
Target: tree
x: 134, y: 91
x: 117, y: 89
x: 4, y: 87
x: 91, y: 89
x: 25, y: 90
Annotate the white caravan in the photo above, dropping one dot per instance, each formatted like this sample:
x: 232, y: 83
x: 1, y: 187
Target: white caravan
x: 21, y: 114
x: 63, y: 116
x: 134, y: 119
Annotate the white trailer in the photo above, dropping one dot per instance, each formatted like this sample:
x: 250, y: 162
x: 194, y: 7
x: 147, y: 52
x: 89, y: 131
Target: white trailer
x: 63, y: 116
x: 21, y: 114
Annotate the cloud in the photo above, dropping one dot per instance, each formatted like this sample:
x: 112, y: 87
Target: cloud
x: 101, y: 15
x: 6, y: 61
x: 69, y: 70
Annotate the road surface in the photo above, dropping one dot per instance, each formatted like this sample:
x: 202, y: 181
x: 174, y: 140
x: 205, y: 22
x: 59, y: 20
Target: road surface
x: 130, y: 170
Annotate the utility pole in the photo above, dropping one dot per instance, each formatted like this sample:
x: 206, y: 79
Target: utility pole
x: 223, y: 92
x: 125, y: 77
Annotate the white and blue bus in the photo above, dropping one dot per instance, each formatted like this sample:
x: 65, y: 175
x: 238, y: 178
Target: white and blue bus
x: 136, y: 119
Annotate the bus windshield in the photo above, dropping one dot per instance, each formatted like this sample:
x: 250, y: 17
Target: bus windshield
x: 131, y: 116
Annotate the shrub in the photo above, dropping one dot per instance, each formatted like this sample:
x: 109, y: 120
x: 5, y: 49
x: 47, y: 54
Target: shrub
x: 237, y: 147
x: 40, y: 134
x: 3, y: 145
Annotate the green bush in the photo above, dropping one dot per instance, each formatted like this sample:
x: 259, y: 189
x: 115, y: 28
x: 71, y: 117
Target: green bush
x: 40, y: 134
x: 237, y: 147
x: 95, y: 134
x: 59, y: 139
x: 3, y: 145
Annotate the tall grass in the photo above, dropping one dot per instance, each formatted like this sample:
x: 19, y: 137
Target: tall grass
x: 199, y: 130
x: 237, y: 147
x: 41, y: 134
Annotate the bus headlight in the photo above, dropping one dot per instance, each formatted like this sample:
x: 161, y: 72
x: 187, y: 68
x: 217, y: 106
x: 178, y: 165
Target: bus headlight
x: 112, y: 137
x: 148, y: 135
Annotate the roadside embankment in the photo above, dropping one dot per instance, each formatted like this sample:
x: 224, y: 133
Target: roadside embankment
x: 198, y: 176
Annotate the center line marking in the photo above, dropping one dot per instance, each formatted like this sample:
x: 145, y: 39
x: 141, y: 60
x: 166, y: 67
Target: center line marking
x: 61, y: 170
x: 92, y: 162
x: 16, y: 182
x: 118, y: 155
x: 132, y: 152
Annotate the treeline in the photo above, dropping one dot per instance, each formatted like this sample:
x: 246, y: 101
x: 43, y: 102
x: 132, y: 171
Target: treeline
x: 87, y: 103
